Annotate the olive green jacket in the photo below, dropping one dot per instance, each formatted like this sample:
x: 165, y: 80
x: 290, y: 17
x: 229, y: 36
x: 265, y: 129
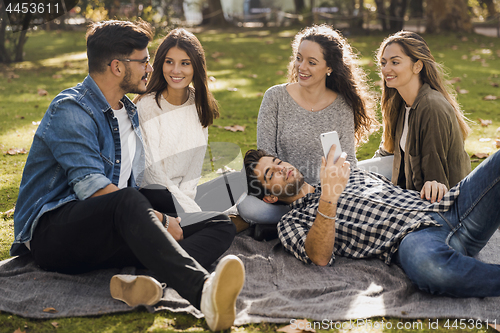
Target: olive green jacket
x: 434, y: 147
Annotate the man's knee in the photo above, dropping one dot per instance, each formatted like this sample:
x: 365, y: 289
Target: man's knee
x: 428, y: 267
x: 436, y: 280
x: 130, y: 193
x: 130, y: 207
x: 130, y: 198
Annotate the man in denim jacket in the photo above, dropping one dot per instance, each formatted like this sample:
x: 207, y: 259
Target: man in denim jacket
x: 79, y: 207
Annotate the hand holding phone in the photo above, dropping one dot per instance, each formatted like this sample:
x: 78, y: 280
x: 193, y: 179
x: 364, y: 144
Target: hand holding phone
x: 334, y: 174
x: 327, y: 140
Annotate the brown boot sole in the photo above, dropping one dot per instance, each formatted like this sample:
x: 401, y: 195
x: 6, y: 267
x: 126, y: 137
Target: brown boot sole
x: 135, y: 290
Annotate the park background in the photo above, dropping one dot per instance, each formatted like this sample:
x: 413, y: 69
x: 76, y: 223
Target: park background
x: 247, y: 45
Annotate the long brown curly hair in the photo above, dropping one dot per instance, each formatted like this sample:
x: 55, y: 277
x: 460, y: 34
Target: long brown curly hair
x: 347, y: 77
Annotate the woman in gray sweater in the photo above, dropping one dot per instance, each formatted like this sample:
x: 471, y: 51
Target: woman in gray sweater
x: 326, y: 91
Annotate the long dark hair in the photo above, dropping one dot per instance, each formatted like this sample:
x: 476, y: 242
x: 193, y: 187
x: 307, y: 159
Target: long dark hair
x: 347, y: 77
x: 432, y: 73
x: 206, y: 105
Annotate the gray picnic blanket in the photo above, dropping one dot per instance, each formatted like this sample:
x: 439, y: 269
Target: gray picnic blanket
x: 278, y: 288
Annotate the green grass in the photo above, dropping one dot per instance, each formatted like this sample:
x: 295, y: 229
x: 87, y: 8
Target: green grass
x: 250, y: 61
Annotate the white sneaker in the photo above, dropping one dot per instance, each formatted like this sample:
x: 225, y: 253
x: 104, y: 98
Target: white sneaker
x: 218, y: 299
x: 136, y: 289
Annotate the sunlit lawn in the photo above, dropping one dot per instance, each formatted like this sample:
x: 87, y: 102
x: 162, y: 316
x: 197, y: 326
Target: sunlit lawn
x: 242, y: 64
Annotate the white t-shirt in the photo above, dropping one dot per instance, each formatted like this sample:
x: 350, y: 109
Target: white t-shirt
x: 402, y: 142
x: 128, y: 145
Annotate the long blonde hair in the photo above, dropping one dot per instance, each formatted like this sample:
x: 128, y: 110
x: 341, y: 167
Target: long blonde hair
x: 432, y: 73
x: 347, y: 77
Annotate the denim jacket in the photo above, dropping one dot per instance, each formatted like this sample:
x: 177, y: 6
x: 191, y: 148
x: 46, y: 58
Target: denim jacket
x: 76, y: 151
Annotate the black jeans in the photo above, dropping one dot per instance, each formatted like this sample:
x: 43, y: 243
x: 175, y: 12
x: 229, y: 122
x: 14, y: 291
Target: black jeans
x: 120, y: 229
x: 207, y: 237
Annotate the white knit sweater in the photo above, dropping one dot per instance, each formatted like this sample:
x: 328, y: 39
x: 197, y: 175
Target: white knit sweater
x: 175, y: 145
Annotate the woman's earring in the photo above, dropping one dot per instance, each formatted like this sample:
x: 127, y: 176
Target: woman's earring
x: 328, y: 74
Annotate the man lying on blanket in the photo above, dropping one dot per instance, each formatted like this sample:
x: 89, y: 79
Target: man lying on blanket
x: 359, y: 214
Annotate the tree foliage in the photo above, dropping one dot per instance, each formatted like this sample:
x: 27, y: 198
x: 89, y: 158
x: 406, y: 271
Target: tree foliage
x: 489, y: 6
x: 447, y: 15
x: 441, y: 15
x: 17, y: 17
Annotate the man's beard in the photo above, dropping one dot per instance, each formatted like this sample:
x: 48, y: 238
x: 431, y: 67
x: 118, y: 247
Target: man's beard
x: 127, y: 86
x: 293, y: 188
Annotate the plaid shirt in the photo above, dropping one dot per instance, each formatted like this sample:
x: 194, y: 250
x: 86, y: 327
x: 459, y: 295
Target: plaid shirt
x: 373, y: 216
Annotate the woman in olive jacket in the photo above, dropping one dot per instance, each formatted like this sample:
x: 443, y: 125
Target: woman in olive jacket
x: 424, y: 126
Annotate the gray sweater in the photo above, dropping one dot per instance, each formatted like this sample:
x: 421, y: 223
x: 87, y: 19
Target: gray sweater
x: 292, y: 133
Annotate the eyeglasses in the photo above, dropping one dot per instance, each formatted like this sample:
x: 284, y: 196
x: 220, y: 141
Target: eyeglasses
x: 145, y: 62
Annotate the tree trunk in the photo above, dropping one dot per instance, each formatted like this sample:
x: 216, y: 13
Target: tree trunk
x: 447, y: 15
x: 4, y: 54
x: 397, y: 12
x: 216, y: 15
x: 299, y: 6
x: 312, y: 20
x: 357, y: 23
x: 112, y: 7
x: 381, y: 14
x: 179, y: 9
x: 22, y: 38
x: 416, y: 8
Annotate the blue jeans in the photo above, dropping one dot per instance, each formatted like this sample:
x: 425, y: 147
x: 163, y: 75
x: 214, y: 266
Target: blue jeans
x: 439, y: 259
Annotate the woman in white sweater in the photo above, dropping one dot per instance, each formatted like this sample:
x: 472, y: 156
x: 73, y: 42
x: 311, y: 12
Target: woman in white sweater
x: 174, y: 117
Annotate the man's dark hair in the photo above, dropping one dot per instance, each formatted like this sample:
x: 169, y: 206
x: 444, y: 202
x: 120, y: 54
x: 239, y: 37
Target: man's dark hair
x: 109, y: 40
x: 252, y: 158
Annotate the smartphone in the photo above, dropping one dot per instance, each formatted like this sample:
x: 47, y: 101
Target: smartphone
x: 327, y: 140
